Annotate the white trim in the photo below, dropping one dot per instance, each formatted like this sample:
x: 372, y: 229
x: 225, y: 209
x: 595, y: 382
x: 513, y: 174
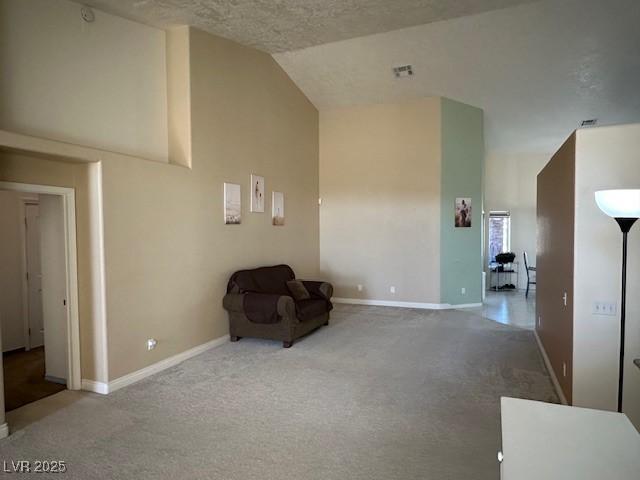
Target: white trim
x: 95, y: 387
x: 552, y: 374
x: 33, y: 188
x: 4, y: 430
x: 73, y: 319
x: 392, y: 303
x: 96, y: 242
x: 125, y: 380
x: 465, y: 305
x: 52, y: 379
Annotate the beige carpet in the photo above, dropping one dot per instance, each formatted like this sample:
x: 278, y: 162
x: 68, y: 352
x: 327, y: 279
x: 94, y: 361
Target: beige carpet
x: 382, y: 393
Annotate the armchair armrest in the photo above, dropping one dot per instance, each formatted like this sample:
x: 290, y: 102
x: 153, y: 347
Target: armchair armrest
x: 319, y: 289
x: 287, y: 307
x: 234, y: 302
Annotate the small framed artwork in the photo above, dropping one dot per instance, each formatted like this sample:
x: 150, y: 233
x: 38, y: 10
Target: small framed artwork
x: 257, y: 193
x: 232, y: 204
x: 463, y: 213
x: 277, y: 208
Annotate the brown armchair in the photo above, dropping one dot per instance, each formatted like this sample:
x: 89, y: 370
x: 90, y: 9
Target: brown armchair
x: 261, y: 305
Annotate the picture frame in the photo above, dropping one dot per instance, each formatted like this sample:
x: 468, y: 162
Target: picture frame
x: 277, y: 209
x: 257, y: 194
x: 463, y: 212
x: 232, y: 204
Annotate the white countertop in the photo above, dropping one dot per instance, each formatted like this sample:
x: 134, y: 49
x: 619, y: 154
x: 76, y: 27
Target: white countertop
x: 544, y: 441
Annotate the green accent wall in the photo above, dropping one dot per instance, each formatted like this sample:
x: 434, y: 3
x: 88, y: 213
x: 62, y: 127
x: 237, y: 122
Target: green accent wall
x: 461, y: 176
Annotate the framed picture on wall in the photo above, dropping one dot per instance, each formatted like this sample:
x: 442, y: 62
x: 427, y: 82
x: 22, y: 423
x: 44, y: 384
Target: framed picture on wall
x: 277, y: 208
x: 257, y: 193
x: 232, y: 204
x: 463, y: 212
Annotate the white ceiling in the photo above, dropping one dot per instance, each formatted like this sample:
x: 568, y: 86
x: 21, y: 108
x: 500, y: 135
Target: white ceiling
x: 535, y: 69
x: 281, y: 25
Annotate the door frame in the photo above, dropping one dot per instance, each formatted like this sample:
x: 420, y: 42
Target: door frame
x: 73, y: 318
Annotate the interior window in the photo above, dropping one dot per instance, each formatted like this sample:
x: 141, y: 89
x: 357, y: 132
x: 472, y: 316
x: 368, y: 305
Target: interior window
x: 499, y: 233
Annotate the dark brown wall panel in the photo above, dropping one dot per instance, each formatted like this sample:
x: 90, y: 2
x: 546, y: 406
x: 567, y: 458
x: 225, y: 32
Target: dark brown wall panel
x: 555, y: 213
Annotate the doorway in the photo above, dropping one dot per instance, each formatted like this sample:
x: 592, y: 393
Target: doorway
x: 44, y: 359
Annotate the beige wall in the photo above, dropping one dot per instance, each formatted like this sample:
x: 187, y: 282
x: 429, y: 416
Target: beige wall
x: 12, y: 271
x: 101, y: 84
x: 510, y: 184
x: 168, y: 253
x: 606, y: 158
x: 380, y: 190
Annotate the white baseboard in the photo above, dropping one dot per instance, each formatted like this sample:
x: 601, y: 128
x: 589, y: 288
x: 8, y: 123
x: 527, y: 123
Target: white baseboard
x: 95, y: 387
x: 552, y: 373
x: 125, y: 380
x: 392, y: 303
x: 465, y: 305
x: 4, y: 430
x: 52, y: 379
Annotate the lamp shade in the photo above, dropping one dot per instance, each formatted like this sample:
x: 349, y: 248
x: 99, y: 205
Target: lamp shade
x: 619, y: 203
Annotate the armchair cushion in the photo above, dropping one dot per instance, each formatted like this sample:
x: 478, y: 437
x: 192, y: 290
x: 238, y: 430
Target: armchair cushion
x: 311, y: 308
x: 261, y: 307
x: 298, y: 290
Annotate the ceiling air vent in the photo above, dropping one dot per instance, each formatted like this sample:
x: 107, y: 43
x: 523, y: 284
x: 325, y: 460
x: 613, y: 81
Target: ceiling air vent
x: 403, y: 71
x: 589, y: 123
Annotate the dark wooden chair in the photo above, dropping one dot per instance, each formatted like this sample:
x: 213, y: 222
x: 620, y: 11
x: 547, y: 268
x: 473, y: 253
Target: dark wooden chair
x: 529, y: 269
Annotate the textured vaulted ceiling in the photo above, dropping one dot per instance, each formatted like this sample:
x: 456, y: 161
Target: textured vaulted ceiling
x: 281, y: 25
x: 535, y: 69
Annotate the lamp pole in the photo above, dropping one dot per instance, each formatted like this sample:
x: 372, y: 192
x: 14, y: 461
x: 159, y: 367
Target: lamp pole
x: 625, y: 226
x: 624, y: 206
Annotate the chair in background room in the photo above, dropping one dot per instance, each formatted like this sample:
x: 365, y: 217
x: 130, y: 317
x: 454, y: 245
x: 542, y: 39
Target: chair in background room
x: 529, y: 269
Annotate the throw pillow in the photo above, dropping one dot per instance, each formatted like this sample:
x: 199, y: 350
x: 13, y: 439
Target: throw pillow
x: 298, y: 290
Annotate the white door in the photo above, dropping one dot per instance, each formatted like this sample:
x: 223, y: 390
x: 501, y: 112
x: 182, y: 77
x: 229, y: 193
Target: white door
x: 54, y: 286
x: 34, y: 277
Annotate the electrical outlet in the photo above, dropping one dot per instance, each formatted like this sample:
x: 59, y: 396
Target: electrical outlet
x: 463, y: 291
x: 392, y: 289
x: 151, y: 343
x: 604, y: 308
x: 360, y: 288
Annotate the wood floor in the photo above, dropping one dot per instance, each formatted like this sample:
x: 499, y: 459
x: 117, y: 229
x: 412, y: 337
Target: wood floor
x: 24, y: 380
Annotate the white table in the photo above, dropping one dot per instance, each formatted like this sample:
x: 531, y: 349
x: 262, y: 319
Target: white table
x: 544, y: 441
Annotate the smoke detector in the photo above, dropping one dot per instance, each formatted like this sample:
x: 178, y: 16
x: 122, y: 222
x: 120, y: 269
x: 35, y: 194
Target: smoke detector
x: 403, y: 71
x: 589, y: 123
x: 87, y: 14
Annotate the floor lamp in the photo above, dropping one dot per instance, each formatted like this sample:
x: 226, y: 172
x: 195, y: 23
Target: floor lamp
x: 624, y: 207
